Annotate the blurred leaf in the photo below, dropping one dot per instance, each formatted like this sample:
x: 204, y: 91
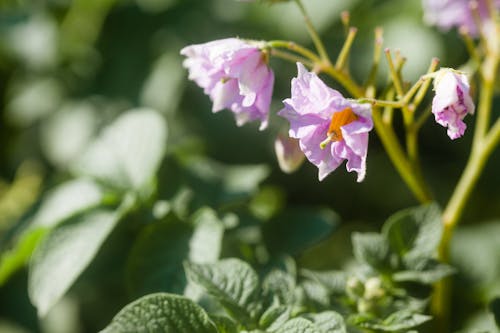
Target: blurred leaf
x: 267, y: 202
x: 315, y: 293
x: 68, y: 131
x: 402, y: 320
x: 274, y: 317
x: 232, y: 282
x: 66, y: 252
x: 495, y: 309
x: 475, y: 251
x: 224, y: 324
x: 33, y: 99
x: 428, y: 271
x: 162, y: 90
x: 66, y: 200
x: 156, y: 259
x: 12, y: 260
x: 415, y: 231
x: 371, y: 248
x: 280, y: 285
x: 333, y: 281
x: 303, y: 228
x: 128, y: 152
x: 298, y: 325
x: 217, y: 184
x: 161, y: 312
x: 328, y: 322
x: 206, y: 242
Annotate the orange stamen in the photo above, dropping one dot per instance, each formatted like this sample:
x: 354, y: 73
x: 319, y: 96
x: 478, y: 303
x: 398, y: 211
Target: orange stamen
x: 340, y: 119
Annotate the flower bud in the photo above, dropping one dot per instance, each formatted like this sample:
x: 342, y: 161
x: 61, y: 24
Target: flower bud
x: 354, y: 287
x: 288, y: 153
x: 374, y: 289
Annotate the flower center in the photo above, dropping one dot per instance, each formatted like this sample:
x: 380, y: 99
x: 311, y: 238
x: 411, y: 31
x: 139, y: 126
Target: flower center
x: 339, y: 119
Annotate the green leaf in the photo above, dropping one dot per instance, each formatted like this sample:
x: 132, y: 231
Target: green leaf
x: 315, y: 293
x: 279, y: 284
x: 161, y: 313
x: 371, y: 248
x: 495, y: 309
x: 224, y: 324
x: 156, y: 259
x: 328, y: 322
x: 402, y: 320
x: 298, y: 325
x: 232, y: 282
x: 267, y: 203
x: 66, y: 200
x: 427, y: 271
x: 274, y: 317
x: 128, y: 152
x: 415, y: 231
x: 303, y: 228
x: 475, y: 251
x: 333, y: 281
x: 206, y: 243
x: 59, y: 204
x: 215, y: 183
x: 63, y: 255
x: 14, y: 259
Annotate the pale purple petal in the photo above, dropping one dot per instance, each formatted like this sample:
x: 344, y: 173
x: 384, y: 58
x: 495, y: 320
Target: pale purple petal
x: 235, y: 75
x: 310, y: 110
x: 447, y: 14
x: 452, y: 102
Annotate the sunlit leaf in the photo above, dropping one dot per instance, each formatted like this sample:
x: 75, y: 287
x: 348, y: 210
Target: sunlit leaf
x: 231, y: 281
x: 416, y: 230
x: 66, y: 200
x: 128, y: 152
x: 66, y: 252
x: 161, y: 313
x: 371, y: 248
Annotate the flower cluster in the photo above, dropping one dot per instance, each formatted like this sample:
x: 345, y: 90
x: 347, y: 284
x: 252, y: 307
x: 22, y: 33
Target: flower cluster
x: 235, y: 75
x: 329, y: 128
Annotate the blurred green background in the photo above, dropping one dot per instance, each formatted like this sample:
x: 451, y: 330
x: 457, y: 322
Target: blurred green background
x: 67, y: 68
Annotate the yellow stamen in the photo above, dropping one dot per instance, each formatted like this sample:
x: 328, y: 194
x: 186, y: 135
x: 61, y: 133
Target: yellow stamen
x: 339, y: 119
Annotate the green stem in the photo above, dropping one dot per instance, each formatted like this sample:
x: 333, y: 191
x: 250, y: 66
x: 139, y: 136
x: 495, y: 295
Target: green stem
x: 318, y: 43
x: 482, y: 147
x: 394, y: 74
x: 291, y: 57
x: 344, y: 52
x: 397, y: 156
x: 478, y: 157
x: 303, y: 51
x: 345, y: 80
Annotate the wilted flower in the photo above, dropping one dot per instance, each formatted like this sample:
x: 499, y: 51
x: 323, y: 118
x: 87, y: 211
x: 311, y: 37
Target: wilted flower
x: 330, y: 128
x: 235, y: 75
x: 456, y: 13
x: 452, y: 101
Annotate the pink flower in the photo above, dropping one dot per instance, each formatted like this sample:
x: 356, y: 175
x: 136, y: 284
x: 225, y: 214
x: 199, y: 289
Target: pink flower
x: 455, y: 13
x: 452, y: 101
x: 330, y: 128
x: 235, y: 75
